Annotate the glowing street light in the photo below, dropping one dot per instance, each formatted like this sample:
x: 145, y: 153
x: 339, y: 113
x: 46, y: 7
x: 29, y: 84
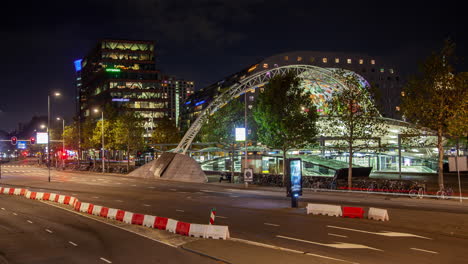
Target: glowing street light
x: 56, y: 94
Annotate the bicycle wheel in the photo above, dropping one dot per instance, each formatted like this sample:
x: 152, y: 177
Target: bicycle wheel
x: 413, y: 193
x: 440, y: 195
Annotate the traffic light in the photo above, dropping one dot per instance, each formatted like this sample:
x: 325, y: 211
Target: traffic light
x: 32, y: 140
x: 13, y: 140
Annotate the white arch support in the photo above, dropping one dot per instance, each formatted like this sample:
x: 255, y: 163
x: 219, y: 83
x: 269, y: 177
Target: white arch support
x: 304, y: 72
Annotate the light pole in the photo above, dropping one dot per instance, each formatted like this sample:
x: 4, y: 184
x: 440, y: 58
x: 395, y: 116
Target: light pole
x: 63, y: 141
x: 48, y: 132
x: 102, y: 133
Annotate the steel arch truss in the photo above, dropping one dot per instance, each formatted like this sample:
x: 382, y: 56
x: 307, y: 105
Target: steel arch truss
x: 304, y: 72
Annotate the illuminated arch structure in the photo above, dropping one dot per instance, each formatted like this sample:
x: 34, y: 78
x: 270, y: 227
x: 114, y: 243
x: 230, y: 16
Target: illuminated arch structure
x: 320, y: 82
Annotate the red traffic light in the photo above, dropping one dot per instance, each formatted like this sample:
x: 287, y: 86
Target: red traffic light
x: 32, y: 140
x: 13, y: 140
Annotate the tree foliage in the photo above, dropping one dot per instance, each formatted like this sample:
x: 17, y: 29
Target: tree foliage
x: 285, y: 115
x: 165, y: 132
x: 434, y: 99
x: 353, y: 117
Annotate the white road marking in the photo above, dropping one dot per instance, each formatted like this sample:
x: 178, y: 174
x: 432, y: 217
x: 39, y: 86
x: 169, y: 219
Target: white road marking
x: 96, y: 197
x: 285, y: 249
x: 383, y: 233
x: 146, y: 205
x: 15, y: 214
x: 3, y: 208
x: 173, y: 190
x: 105, y: 260
x: 336, y: 245
x: 151, y: 187
x: 29, y: 221
x: 49, y: 231
x: 220, y: 216
x: 331, y: 234
x: 234, y: 196
x: 119, y: 201
x: 74, y: 244
x: 133, y: 185
x: 179, y: 210
x: 269, y: 224
x: 355, y: 201
x: 423, y: 250
x: 119, y: 183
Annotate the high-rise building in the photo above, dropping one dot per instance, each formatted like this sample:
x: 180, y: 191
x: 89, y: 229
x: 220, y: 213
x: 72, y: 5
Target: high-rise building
x: 123, y: 73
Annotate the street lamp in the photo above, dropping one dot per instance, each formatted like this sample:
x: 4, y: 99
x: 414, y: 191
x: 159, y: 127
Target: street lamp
x: 102, y: 133
x: 63, y: 140
x: 56, y: 94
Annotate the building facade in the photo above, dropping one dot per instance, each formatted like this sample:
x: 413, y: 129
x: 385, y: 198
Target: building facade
x: 383, y: 77
x: 124, y: 74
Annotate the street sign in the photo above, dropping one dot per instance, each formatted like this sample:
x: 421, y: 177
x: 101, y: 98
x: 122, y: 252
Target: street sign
x: 248, y: 175
x: 21, y: 145
x: 42, y: 138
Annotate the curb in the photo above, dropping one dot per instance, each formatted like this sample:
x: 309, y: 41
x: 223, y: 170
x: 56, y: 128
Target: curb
x: 156, y: 222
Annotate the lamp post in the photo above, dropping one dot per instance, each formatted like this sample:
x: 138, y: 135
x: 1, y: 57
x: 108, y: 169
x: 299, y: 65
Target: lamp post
x: 56, y: 94
x: 102, y: 133
x: 63, y: 140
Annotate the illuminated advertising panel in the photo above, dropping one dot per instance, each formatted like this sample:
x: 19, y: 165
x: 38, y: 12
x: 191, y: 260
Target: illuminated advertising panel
x: 240, y: 134
x: 296, y: 175
x: 42, y: 138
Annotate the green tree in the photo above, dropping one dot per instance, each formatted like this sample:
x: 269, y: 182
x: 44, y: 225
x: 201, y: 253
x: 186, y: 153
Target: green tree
x: 165, y: 131
x: 71, y: 136
x: 353, y: 117
x: 128, y: 132
x: 285, y: 115
x: 432, y: 98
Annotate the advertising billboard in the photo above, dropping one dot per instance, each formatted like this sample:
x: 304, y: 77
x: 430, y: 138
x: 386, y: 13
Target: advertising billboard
x: 296, y: 176
x: 42, y: 138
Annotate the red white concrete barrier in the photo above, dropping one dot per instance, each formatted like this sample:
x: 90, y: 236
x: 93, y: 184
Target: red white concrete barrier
x: 353, y: 212
x: 162, y: 223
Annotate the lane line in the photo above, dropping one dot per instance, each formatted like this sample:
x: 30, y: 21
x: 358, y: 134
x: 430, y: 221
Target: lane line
x: 173, y: 190
x: 179, y: 210
x: 133, y: 185
x: 29, y: 221
x: 105, y: 260
x: 220, y: 216
x: 423, y: 250
x: 146, y: 205
x: 74, y: 244
x: 96, y: 197
x: 49, y: 231
x: 339, y: 245
x: 331, y: 234
x: 3, y: 208
x: 15, y: 214
x: 286, y: 249
x: 382, y: 233
x: 151, y: 187
x: 120, y: 201
x: 269, y: 224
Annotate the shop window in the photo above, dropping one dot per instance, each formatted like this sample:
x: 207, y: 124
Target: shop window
x: 361, y: 61
x: 337, y: 60
x: 324, y: 60
x: 348, y: 61
x: 372, y: 62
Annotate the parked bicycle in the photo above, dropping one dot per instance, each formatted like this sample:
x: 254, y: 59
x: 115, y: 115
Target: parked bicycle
x: 444, y: 193
x: 417, y: 191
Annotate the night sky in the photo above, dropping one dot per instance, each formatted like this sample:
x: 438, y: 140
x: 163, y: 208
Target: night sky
x: 204, y: 40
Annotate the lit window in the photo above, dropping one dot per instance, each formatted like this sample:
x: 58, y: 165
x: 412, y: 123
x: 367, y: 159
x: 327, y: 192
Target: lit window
x: 372, y: 62
x: 324, y: 60
x: 262, y: 90
x: 402, y: 93
x: 250, y: 106
x: 286, y: 58
x: 361, y: 61
x: 251, y: 98
x: 312, y: 59
x: 337, y: 60
x: 299, y: 58
x: 349, y: 61
x: 391, y: 71
x: 265, y: 65
x: 382, y: 70
x: 397, y: 108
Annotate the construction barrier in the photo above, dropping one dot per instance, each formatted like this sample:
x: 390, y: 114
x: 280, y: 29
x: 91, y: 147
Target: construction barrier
x: 353, y: 212
x: 378, y: 214
x: 324, y: 209
x: 162, y: 223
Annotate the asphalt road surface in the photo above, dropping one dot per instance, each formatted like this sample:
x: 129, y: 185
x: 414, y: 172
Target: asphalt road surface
x: 419, y: 231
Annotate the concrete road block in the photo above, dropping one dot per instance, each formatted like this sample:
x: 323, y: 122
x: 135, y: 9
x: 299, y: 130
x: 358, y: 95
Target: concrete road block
x: 96, y: 210
x: 112, y: 213
x: 324, y: 209
x: 217, y: 232
x: 378, y: 214
x: 197, y: 230
x: 127, y: 218
x: 171, y: 225
x: 39, y: 195
x: 149, y: 221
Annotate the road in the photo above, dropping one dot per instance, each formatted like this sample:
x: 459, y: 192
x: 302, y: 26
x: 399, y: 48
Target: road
x: 419, y: 231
